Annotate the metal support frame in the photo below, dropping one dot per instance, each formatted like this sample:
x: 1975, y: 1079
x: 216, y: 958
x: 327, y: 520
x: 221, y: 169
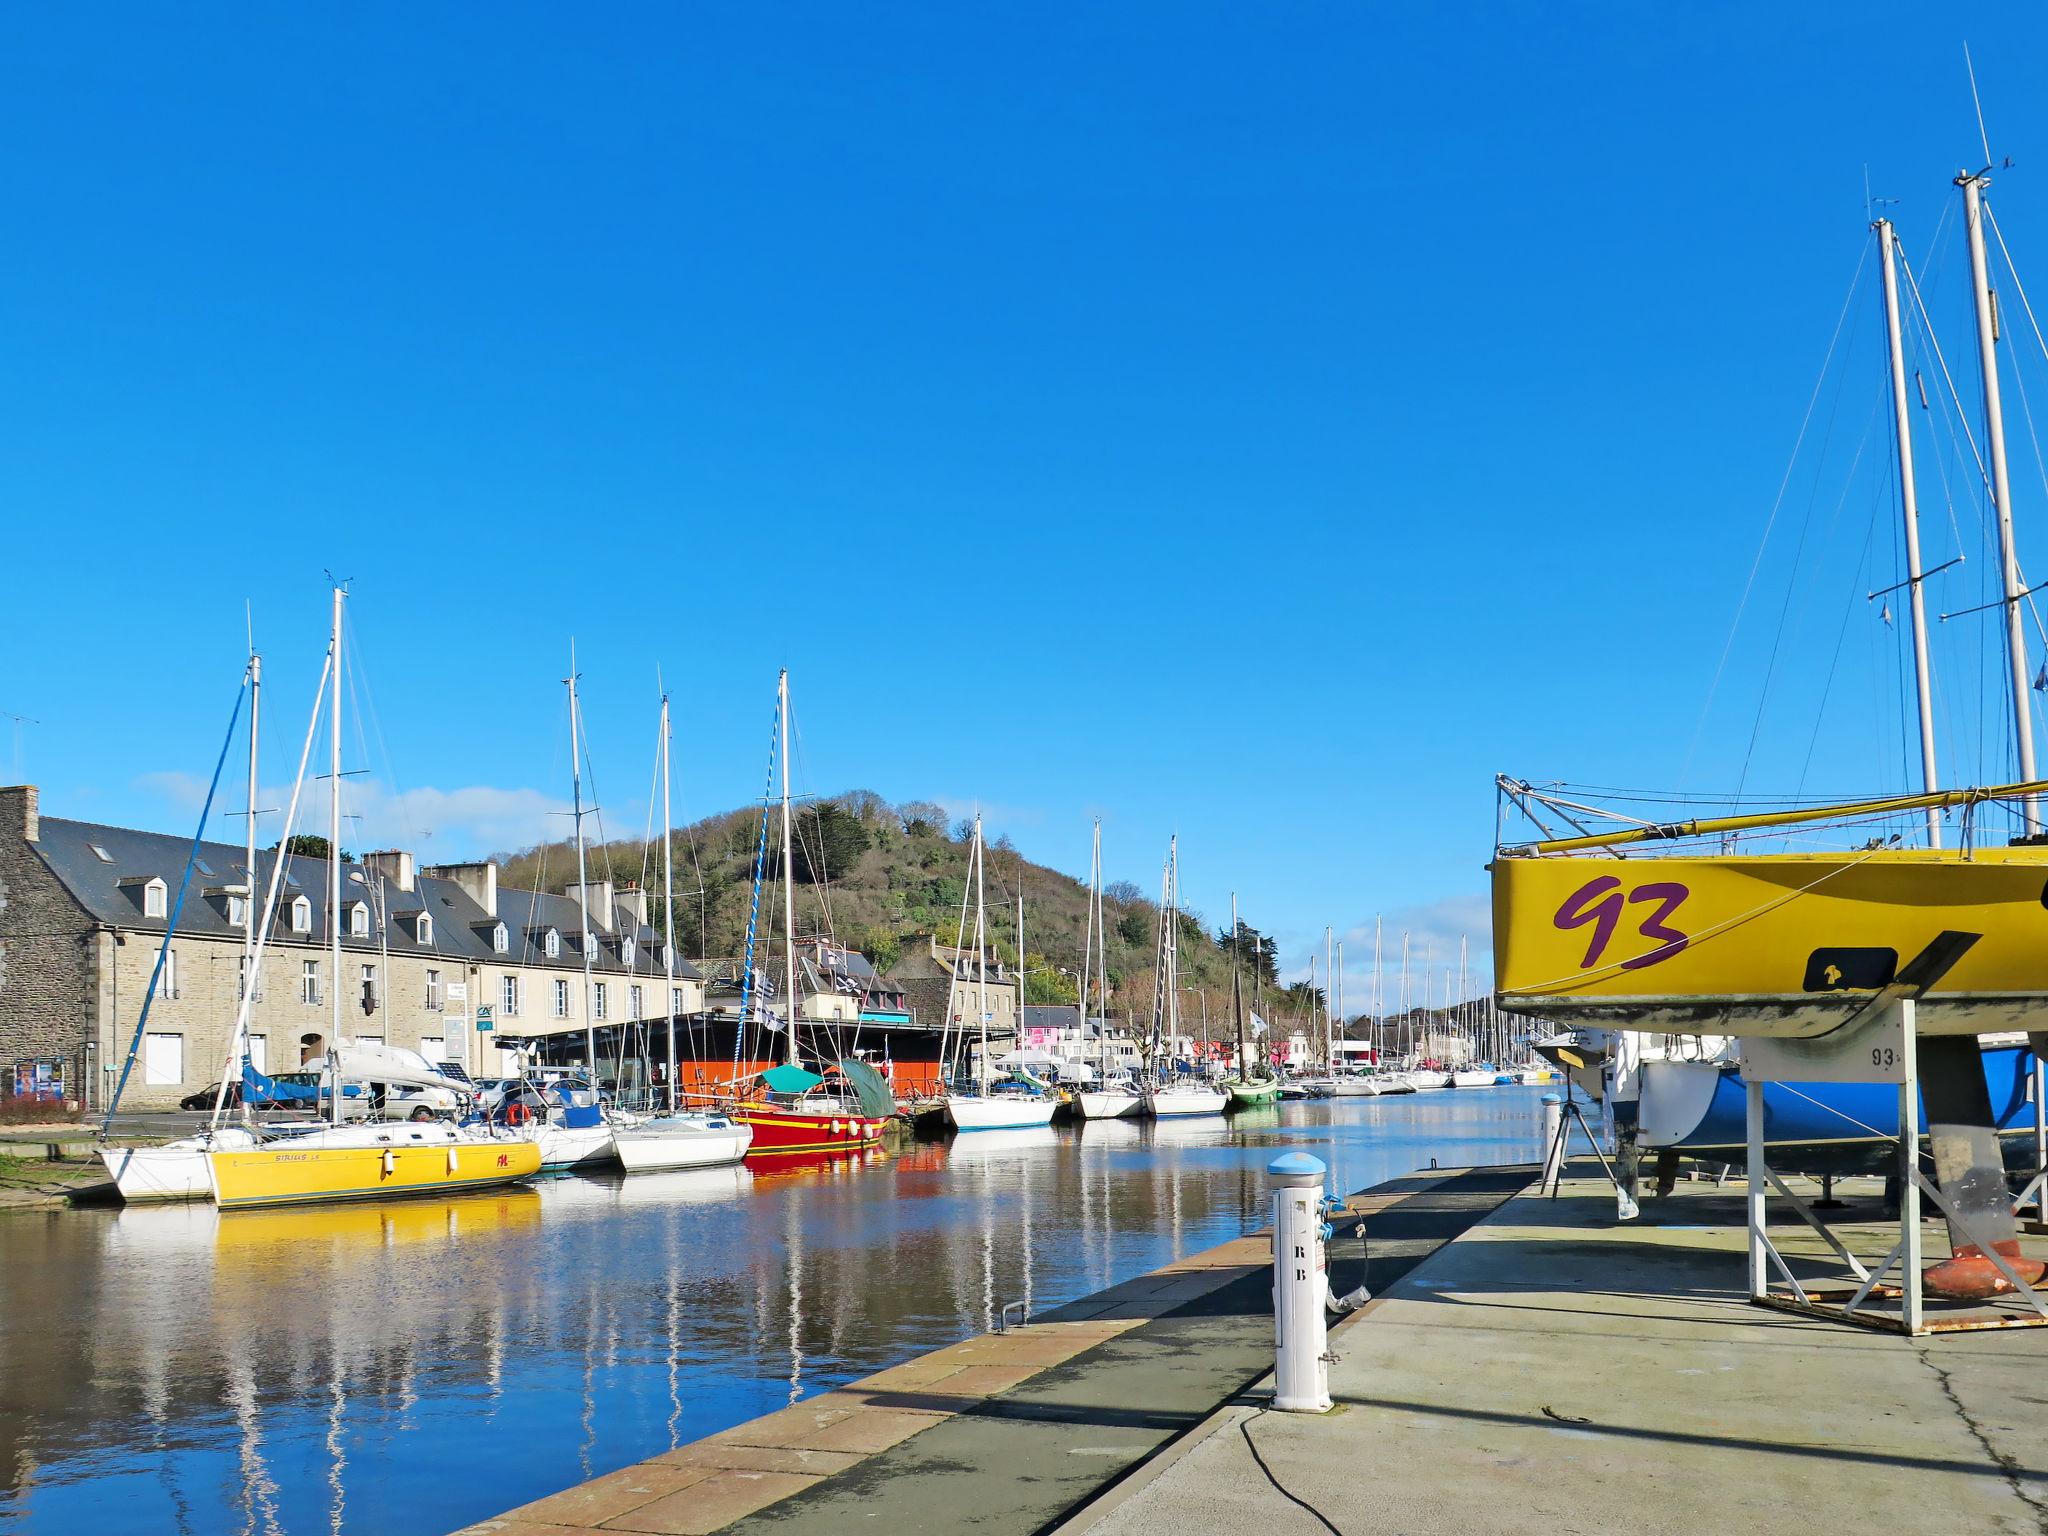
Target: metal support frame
x: 1905, y: 1255
x: 2032, y: 1204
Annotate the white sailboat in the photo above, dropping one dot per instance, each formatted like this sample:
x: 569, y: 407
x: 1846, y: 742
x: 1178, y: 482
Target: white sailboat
x: 991, y: 1106
x: 1115, y: 1096
x: 1169, y: 1095
x: 679, y: 1138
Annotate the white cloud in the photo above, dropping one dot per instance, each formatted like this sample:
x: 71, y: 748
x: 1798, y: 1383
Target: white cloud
x: 436, y: 824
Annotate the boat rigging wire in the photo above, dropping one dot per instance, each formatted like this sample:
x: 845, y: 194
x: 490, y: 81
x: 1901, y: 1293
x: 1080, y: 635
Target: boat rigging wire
x: 1777, y: 503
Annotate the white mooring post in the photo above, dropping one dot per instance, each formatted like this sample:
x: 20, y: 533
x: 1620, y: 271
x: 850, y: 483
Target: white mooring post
x: 1553, y: 1143
x: 1300, y: 1284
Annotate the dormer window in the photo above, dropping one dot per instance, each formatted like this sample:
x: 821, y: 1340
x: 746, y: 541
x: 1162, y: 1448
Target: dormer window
x: 500, y: 940
x: 359, y: 920
x: 666, y: 962
x: 551, y: 944
x: 302, y: 915
x: 628, y: 948
x: 155, y: 894
x: 423, y: 928
x: 238, y: 909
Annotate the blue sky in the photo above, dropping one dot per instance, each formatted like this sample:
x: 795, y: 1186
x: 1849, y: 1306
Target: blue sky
x: 1262, y: 423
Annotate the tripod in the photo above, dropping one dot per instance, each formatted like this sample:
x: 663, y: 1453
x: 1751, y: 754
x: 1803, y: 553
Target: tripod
x: 1553, y: 1159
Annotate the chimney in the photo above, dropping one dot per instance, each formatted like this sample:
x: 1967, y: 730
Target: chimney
x: 598, y: 897
x: 633, y: 903
x: 395, y: 865
x: 18, y: 808
x: 478, y: 881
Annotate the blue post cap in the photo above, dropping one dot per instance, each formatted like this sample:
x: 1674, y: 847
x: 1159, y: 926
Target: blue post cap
x: 1551, y: 1098
x: 1296, y: 1165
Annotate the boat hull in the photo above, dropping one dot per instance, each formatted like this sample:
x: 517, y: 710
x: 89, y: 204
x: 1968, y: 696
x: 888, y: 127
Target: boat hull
x: 1107, y: 1106
x: 1005, y: 1113
x: 1784, y: 945
x: 1183, y: 1103
x: 1254, y: 1095
x: 304, y: 1175
x: 574, y: 1146
x: 782, y: 1132
x: 652, y: 1147
x: 1700, y: 1108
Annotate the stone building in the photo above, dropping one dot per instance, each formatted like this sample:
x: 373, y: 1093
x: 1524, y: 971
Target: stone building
x: 942, y: 987
x: 440, y: 961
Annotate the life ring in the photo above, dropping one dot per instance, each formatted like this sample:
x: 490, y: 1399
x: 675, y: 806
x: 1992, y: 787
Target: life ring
x: 515, y: 1113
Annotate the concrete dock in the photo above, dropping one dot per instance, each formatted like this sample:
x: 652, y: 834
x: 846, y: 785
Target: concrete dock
x: 1527, y: 1365
x: 1552, y: 1371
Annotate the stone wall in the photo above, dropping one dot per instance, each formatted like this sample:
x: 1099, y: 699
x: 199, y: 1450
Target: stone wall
x: 46, y: 969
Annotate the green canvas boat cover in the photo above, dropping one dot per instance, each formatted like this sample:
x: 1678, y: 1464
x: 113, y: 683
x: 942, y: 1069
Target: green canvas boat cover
x: 788, y: 1079
x: 876, y: 1097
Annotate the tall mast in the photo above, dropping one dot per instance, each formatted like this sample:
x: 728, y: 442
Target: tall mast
x: 981, y: 952
x: 1087, y: 949
x: 238, y: 1049
x: 1378, y: 1001
x: 788, y: 873
x: 334, y: 861
x: 1329, y: 1002
x: 582, y: 873
x: 1019, y: 1021
x: 1407, y: 1002
x: 1101, y: 939
x: 1236, y: 990
x: 1909, y: 509
x: 1337, y: 978
x: 2001, y: 489
x: 668, y: 907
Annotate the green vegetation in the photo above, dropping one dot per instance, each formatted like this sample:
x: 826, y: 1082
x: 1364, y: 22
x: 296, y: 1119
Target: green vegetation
x: 883, y: 879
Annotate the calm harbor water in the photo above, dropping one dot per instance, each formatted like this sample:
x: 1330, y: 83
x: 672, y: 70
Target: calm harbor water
x: 404, y: 1369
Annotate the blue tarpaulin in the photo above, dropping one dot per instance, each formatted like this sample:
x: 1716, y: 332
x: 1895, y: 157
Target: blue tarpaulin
x: 787, y: 1079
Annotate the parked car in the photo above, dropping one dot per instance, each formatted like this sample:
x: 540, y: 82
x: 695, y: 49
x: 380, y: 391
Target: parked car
x: 204, y: 1098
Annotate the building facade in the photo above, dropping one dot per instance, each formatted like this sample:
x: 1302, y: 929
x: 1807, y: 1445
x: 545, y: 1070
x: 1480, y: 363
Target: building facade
x: 440, y: 961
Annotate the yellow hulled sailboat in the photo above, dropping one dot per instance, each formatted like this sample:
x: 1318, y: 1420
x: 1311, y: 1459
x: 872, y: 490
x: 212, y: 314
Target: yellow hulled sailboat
x: 372, y: 1162
x: 1595, y: 930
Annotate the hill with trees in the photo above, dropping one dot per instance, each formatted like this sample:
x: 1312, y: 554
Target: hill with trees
x: 882, y: 878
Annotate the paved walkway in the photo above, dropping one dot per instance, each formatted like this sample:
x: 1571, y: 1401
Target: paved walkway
x: 1007, y: 1432
x: 1555, y: 1372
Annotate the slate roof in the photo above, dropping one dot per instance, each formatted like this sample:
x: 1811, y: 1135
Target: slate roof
x: 111, y: 891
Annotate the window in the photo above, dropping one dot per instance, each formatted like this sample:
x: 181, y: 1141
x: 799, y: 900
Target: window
x: 639, y: 1003
x: 358, y: 920
x: 259, y: 1052
x: 561, y: 998
x: 309, y: 982
x: 499, y: 942
x: 600, y: 1009
x: 203, y: 867
x: 100, y: 853
x: 169, y: 988
x: 369, y: 1039
x: 302, y: 916
x: 423, y: 928
x: 153, y: 899
x: 675, y: 1000
x: 552, y: 943
x: 238, y: 910
x: 242, y: 979
x: 371, y: 996
x: 434, y: 999
x: 508, y: 997
x: 163, y: 1060
x: 628, y: 949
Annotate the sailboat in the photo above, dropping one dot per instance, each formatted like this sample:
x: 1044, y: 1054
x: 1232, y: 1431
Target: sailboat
x: 1170, y: 1095
x: 1011, y: 1103
x: 350, y: 1162
x: 1114, y: 1096
x: 1246, y: 1090
x: 791, y: 1109
x: 1713, y: 941
x: 177, y: 1170
x: 680, y: 1138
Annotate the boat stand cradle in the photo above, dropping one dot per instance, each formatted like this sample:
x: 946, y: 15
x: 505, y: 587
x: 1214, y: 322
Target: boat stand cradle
x: 1876, y: 1045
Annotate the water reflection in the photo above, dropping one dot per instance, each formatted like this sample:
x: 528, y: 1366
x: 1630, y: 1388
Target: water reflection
x: 411, y: 1367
